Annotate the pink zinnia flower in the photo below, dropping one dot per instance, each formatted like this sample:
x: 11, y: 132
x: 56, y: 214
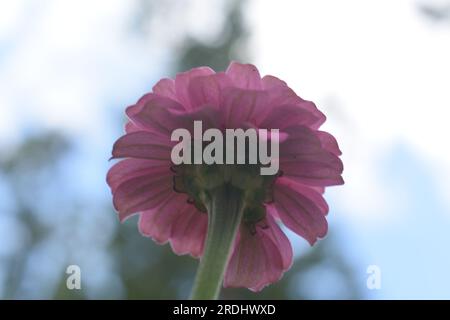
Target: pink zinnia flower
x: 147, y: 183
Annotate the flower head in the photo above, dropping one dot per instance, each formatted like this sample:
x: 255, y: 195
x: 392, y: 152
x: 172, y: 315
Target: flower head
x: 167, y: 197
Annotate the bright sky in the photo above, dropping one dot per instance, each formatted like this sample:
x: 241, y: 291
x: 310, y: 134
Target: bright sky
x: 381, y: 72
x: 378, y: 69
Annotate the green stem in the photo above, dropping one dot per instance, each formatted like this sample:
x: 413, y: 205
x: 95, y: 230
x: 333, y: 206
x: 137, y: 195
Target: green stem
x: 225, y: 208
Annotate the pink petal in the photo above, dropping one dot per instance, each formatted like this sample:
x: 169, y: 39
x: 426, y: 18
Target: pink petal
x: 129, y: 168
x: 329, y: 143
x: 279, y: 91
x: 300, y: 140
x: 207, y: 90
x: 319, y: 170
x: 147, y: 98
x: 259, y: 258
x: 271, y: 82
x: 286, y: 115
x: 245, y: 76
x: 281, y: 95
x: 143, y: 192
x: 183, y: 80
x: 157, y: 115
x: 143, y: 100
x: 242, y: 106
x: 304, y: 159
x: 165, y: 88
x: 301, y: 209
x: 163, y: 117
x: 320, y: 190
x: 271, y: 210
x: 209, y: 116
x: 157, y: 222
x: 131, y: 127
x: 278, y: 237
x: 176, y: 221
x: 143, y: 145
x: 188, y: 233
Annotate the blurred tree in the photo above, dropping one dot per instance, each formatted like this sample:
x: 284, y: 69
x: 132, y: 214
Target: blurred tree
x: 229, y: 45
x: 25, y: 170
x: 436, y: 12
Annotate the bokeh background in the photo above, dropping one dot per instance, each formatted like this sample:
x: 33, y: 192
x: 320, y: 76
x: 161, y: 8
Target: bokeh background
x: 379, y: 69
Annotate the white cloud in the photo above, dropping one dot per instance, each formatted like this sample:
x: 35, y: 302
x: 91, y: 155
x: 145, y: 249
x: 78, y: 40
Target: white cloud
x: 388, y: 68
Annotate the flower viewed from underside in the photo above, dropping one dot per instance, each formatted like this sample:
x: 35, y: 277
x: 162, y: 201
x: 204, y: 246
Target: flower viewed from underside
x: 166, y: 196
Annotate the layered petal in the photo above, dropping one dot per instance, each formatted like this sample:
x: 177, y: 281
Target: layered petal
x: 301, y: 209
x: 329, y: 142
x: 286, y: 115
x: 242, y: 106
x: 300, y: 140
x: 142, y: 191
x: 158, y: 114
x: 130, y: 126
x: 130, y: 168
x: 320, y: 169
x: 178, y: 222
x: 244, y: 76
x: 208, y: 90
x: 162, y: 116
x: 165, y: 88
x: 189, y: 232
x: 182, y: 82
x: 281, y: 95
x: 157, y: 222
x: 274, y: 232
x: 304, y: 157
x: 143, y: 145
x: 260, y: 256
x: 269, y: 82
